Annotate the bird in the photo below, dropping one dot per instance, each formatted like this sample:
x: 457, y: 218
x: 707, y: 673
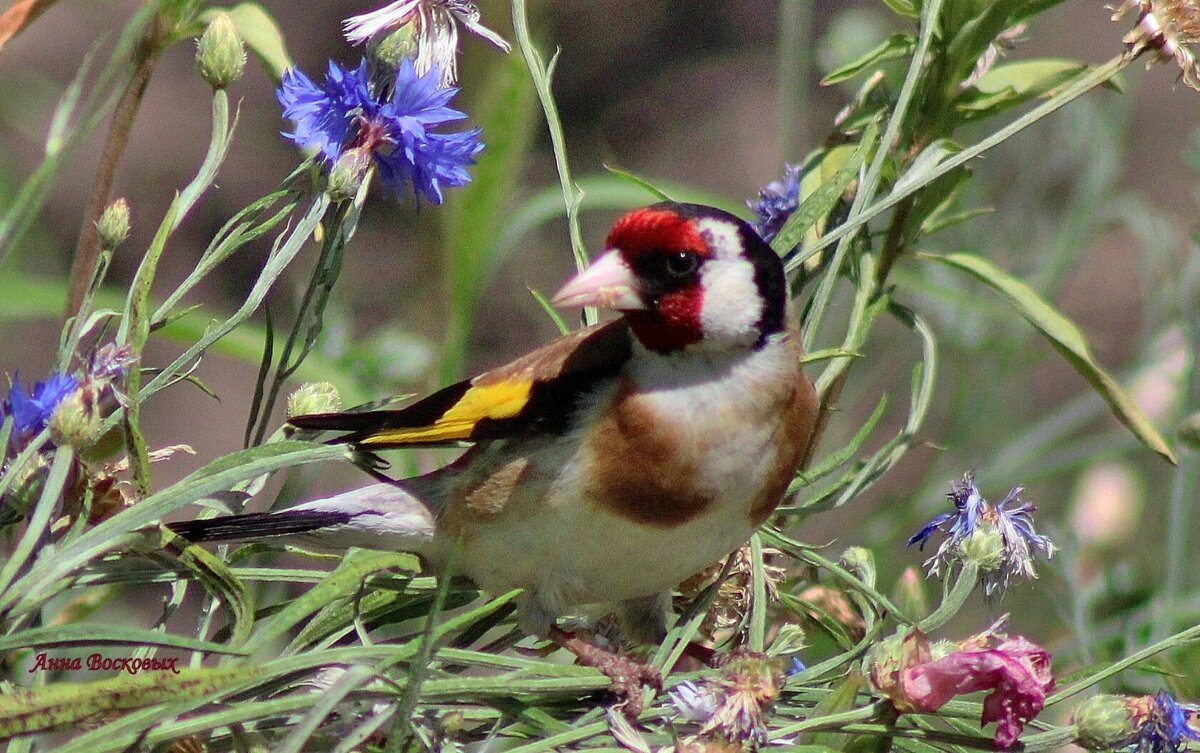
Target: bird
x: 609, y: 465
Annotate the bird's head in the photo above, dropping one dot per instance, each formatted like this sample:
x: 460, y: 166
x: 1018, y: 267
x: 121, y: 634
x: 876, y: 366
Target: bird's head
x: 684, y: 275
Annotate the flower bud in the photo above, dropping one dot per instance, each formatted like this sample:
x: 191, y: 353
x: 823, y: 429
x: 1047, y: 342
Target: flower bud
x: 26, y: 486
x: 1189, y: 431
x: 984, y: 548
x: 347, y: 174
x: 113, y: 225
x: 220, y: 54
x: 76, y: 420
x: 394, y: 47
x: 313, y: 397
x: 789, y: 640
x: 861, y: 562
x: 1104, y: 722
x: 910, y: 594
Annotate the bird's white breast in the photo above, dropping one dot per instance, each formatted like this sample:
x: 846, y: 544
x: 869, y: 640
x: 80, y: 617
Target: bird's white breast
x: 564, y: 541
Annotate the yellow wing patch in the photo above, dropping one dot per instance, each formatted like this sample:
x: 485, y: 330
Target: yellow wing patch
x: 498, y: 400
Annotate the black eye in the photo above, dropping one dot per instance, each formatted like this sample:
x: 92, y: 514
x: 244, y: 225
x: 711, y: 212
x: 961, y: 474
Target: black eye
x: 682, y: 264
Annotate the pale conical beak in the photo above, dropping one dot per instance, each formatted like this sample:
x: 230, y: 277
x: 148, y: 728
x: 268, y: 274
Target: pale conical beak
x: 607, y: 283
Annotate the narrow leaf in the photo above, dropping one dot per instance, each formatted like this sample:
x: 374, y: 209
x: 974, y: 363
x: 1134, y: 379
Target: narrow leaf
x: 895, y: 47
x: 1067, y: 339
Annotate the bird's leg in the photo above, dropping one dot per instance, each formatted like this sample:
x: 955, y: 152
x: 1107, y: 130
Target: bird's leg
x: 628, y: 675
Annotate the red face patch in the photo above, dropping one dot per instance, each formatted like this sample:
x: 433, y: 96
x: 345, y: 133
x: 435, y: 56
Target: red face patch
x: 647, y: 230
x: 673, y: 324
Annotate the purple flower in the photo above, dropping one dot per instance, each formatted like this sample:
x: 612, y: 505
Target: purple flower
x: 349, y: 113
x: 30, y: 411
x: 1015, y: 671
x: 1164, y: 724
x: 999, y: 538
x: 734, y: 704
x: 776, y: 202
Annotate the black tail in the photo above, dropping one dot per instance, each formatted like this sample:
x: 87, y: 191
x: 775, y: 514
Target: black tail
x: 258, y: 525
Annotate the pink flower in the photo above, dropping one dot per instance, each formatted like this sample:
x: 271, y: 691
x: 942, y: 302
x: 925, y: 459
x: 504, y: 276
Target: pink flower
x: 1015, y: 670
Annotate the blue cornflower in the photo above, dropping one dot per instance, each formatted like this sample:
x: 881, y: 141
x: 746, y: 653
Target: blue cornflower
x: 999, y: 538
x: 31, y: 411
x: 776, y: 202
x: 349, y: 113
x: 1165, y: 726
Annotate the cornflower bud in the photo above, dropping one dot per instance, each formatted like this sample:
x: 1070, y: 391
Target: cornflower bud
x: 984, y: 547
x: 1104, y: 722
x: 113, y: 225
x: 76, y: 420
x: 220, y: 54
x: 346, y: 176
x: 313, y: 397
x: 392, y: 48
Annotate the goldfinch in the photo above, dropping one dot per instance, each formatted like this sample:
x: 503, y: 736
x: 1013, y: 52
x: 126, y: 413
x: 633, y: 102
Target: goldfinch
x: 611, y: 464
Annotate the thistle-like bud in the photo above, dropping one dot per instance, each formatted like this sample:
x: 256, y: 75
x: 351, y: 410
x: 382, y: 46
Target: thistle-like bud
x: 220, y: 54
x: 76, y: 420
x: 113, y: 225
x: 392, y: 48
x: 1189, y: 431
x: 790, y: 639
x: 313, y: 397
x: 347, y: 174
x: 984, y: 547
x: 910, y: 594
x: 861, y: 562
x: 1104, y: 722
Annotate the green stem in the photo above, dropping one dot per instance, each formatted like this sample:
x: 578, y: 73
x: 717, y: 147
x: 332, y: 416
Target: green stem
x: 39, y: 522
x: 870, y: 182
x: 401, y: 734
x: 1182, y: 638
x: 542, y: 74
x: 968, y: 578
x: 1077, y: 87
x: 312, y: 306
x: 832, y: 721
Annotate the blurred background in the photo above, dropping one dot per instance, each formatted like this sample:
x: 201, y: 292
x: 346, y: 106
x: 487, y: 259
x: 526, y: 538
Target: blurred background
x: 1094, y: 206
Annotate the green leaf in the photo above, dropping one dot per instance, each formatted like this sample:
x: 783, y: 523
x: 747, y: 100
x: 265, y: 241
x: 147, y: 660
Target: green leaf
x: 90, y: 634
x: 217, y: 579
x: 905, y: 8
x: 1010, y: 84
x: 844, y: 162
x: 1067, y: 339
x: 637, y: 180
x: 261, y: 34
x: 842, y: 455
x: 896, y: 47
x: 926, y: 162
x: 343, y: 581
x: 69, y: 703
x: 551, y: 312
x: 841, y: 699
x: 43, y: 579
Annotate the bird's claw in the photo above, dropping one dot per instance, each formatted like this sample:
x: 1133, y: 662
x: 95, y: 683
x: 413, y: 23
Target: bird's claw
x: 628, y: 675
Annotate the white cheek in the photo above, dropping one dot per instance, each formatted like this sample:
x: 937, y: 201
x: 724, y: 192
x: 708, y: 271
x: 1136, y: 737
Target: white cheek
x: 722, y: 238
x: 732, y: 306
